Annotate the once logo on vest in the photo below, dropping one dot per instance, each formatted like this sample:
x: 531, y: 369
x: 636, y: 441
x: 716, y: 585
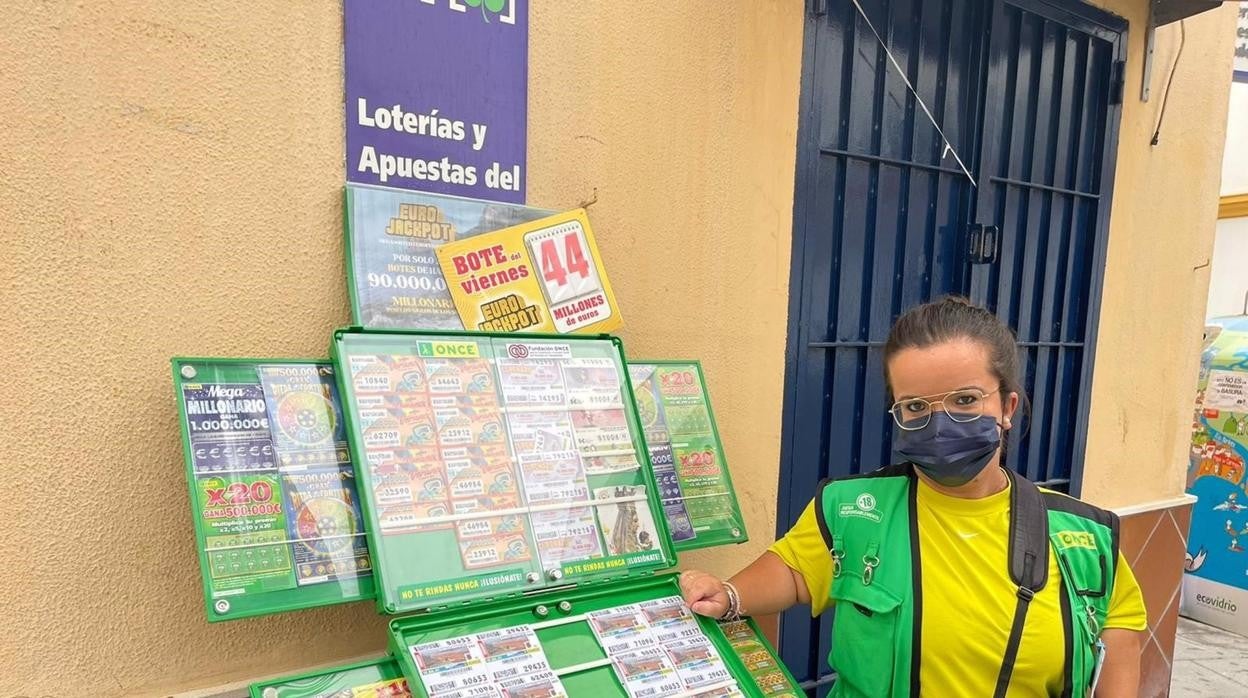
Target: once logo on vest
x: 863, y: 508
x: 1075, y: 539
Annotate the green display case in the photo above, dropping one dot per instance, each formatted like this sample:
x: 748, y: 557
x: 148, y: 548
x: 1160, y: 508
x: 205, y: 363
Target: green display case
x: 272, y: 486
x: 698, y: 499
x: 559, y: 619
x: 378, y: 678
x: 496, y: 465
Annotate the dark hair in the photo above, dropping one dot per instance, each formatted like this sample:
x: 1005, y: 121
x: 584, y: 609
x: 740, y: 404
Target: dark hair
x: 951, y: 318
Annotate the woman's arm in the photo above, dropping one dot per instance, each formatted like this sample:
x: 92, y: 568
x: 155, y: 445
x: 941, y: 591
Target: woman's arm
x: 766, y: 586
x: 1120, y: 675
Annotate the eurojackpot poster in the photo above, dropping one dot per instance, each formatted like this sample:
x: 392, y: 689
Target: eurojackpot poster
x: 542, y: 276
x: 391, y: 237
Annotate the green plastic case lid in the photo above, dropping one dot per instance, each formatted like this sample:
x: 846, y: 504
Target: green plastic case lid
x: 497, y: 464
x: 698, y: 498
x: 274, y: 502
x: 377, y: 678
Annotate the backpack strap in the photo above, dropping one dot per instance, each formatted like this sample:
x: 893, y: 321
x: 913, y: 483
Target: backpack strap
x: 1029, y: 562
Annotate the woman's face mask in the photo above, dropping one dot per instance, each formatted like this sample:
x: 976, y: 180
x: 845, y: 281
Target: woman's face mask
x: 950, y: 453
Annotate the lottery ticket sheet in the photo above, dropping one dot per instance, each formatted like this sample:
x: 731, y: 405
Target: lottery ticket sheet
x: 695, y: 486
x: 543, y: 685
x: 697, y: 663
x: 648, y: 673
x: 658, y: 649
x: 621, y: 629
x: 719, y: 692
x: 273, y: 487
x: 449, y: 666
x: 496, y: 464
x: 565, y: 535
x: 670, y: 620
x: 503, y: 663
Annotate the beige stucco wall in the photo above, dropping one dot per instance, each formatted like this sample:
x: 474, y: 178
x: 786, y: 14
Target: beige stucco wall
x: 685, y: 121
x: 1157, y: 272
x: 170, y: 183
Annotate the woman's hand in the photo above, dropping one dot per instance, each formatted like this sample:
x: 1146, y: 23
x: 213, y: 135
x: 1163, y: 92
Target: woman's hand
x: 704, y: 593
x: 766, y: 586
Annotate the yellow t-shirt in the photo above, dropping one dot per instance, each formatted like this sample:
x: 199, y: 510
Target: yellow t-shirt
x: 969, y: 598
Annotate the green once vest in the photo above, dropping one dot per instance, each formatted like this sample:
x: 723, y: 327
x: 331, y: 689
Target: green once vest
x: 869, y: 524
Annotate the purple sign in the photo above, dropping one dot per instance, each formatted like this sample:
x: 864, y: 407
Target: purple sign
x: 437, y: 95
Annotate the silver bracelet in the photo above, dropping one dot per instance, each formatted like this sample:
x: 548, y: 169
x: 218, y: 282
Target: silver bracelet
x: 733, y: 611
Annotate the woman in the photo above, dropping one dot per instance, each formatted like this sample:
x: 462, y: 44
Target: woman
x: 935, y: 565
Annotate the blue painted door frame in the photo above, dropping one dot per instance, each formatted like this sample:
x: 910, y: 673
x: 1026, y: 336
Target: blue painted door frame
x: 1027, y: 93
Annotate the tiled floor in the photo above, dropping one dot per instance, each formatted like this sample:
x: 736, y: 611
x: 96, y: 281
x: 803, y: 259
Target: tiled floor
x: 1209, y: 663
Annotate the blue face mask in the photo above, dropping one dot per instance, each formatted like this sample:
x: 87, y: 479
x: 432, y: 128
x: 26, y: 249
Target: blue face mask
x: 950, y: 453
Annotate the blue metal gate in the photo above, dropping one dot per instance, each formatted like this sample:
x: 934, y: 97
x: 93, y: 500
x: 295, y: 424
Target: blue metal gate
x: 885, y: 218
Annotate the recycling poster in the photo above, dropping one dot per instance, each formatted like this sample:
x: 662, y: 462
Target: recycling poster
x: 1215, y: 588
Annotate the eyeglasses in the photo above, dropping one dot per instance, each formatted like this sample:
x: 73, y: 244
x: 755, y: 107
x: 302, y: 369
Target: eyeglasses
x: 915, y: 413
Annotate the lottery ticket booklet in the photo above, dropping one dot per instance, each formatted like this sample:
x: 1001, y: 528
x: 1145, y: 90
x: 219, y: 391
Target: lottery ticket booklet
x: 760, y: 659
x: 494, y: 465
x: 275, y: 503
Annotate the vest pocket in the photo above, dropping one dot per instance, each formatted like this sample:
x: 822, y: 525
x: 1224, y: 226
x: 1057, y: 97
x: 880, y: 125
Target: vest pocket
x: 1087, y: 601
x: 864, y: 639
